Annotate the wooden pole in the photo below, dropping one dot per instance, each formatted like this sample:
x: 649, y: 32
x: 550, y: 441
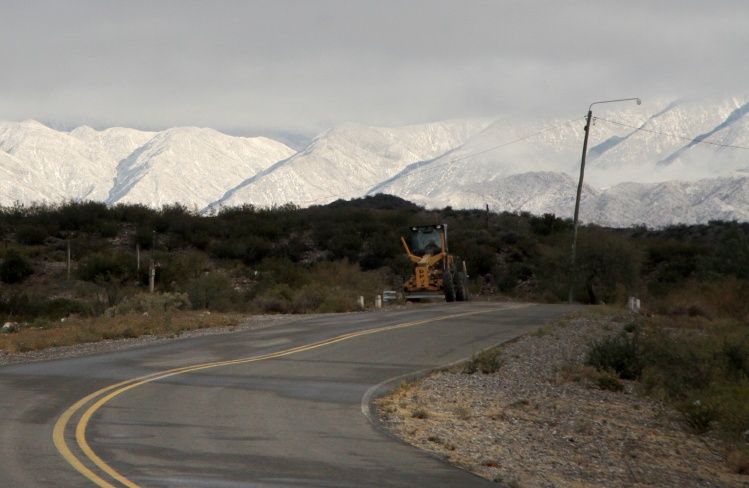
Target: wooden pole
x: 137, y: 254
x: 577, y: 207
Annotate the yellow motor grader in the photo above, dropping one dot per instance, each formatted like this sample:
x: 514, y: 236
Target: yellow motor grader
x: 436, y: 272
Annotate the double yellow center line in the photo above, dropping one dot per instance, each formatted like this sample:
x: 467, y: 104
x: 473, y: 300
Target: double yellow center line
x: 101, y: 397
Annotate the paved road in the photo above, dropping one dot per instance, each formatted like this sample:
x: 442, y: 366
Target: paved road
x: 291, y: 418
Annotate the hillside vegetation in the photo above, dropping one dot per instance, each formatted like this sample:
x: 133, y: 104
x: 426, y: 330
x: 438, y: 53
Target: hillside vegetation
x: 319, y: 259
x: 288, y: 259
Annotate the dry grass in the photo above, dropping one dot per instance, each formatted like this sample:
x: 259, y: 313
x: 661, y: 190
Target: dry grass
x: 738, y: 460
x: 84, y: 330
x: 723, y: 298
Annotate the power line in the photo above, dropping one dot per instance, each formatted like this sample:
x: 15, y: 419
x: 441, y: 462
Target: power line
x: 676, y: 136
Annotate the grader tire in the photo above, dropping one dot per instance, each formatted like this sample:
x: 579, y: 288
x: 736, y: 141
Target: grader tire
x: 461, y: 290
x: 449, y: 286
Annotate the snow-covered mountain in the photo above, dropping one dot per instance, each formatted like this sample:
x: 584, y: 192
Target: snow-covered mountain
x: 623, y: 205
x: 347, y: 161
x: 671, y: 202
x: 664, y: 162
x: 185, y: 165
x: 116, y: 142
x: 57, y: 165
x: 190, y: 166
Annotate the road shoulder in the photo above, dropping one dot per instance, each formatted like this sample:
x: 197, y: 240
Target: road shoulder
x: 542, y: 419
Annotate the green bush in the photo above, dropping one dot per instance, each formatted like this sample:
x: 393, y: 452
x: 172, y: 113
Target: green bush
x: 608, y: 266
x: 618, y: 353
x: 699, y: 415
x: 31, y: 235
x: 112, y: 266
x: 108, y: 229
x: 180, y: 267
x: 211, y: 291
x: 15, y: 268
x: 29, y: 306
x: 63, y: 307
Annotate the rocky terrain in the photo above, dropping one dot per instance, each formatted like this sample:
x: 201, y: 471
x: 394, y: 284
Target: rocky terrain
x: 543, y: 420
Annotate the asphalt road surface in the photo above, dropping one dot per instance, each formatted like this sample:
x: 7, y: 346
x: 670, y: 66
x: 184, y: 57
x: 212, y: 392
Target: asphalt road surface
x: 282, y: 406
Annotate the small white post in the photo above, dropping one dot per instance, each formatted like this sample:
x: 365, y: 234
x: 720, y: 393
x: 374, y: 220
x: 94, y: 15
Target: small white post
x: 633, y: 304
x: 360, y: 302
x: 152, y: 276
x: 378, y: 301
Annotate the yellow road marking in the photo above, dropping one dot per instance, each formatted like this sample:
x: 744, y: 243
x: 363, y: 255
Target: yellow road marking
x: 106, y: 394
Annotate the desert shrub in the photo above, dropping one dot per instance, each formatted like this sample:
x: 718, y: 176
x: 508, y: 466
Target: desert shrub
x: 699, y: 415
x: 609, y: 381
x: 108, y: 229
x: 210, y: 291
x: 31, y: 235
x: 618, y: 353
x: 182, y: 266
x: 31, y: 306
x: 731, y: 399
x: 485, y: 362
x: 63, y: 307
x: 547, y: 224
x: 608, y: 266
x: 108, y: 266
x: 337, y: 302
x: 275, y: 299
x: 151, y: 302
x: 308, y: 299
x: 282, y: 270
x: 668, y: 263
x: 735, y: 355
x: 251, y: 250
x: 15, y: 267
x: 143, y: 235
x: 723, y: 297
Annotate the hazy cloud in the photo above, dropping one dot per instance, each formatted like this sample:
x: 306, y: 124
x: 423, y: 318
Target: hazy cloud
x: 246, y: 67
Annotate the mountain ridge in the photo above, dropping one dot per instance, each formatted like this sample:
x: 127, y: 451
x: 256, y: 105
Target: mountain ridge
x: 509, y: 163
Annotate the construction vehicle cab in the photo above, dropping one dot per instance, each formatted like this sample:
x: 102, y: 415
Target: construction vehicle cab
x: 437, y: 273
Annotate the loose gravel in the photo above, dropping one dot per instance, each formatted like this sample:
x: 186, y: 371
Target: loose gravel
x: 538, y: 423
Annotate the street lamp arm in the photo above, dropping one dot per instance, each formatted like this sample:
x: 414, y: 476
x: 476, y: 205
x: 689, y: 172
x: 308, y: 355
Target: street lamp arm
x: 616, y: 100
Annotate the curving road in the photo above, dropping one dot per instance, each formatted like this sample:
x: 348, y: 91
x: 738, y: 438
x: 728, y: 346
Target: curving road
x: 282, y: 406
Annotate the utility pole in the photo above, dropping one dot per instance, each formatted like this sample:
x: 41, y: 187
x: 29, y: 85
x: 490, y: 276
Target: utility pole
x: 577, y: 206
x: 152, y: 266
x: 580, y: 189
x: 487, y: 216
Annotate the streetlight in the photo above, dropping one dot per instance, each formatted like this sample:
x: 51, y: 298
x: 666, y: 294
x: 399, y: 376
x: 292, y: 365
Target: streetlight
x: 580, y: 184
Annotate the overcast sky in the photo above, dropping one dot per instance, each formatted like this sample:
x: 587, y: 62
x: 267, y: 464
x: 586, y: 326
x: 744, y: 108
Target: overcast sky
x: 303, y: 66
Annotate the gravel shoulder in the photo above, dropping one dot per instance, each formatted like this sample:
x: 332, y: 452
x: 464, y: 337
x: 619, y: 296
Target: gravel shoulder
x: 542, y: 421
